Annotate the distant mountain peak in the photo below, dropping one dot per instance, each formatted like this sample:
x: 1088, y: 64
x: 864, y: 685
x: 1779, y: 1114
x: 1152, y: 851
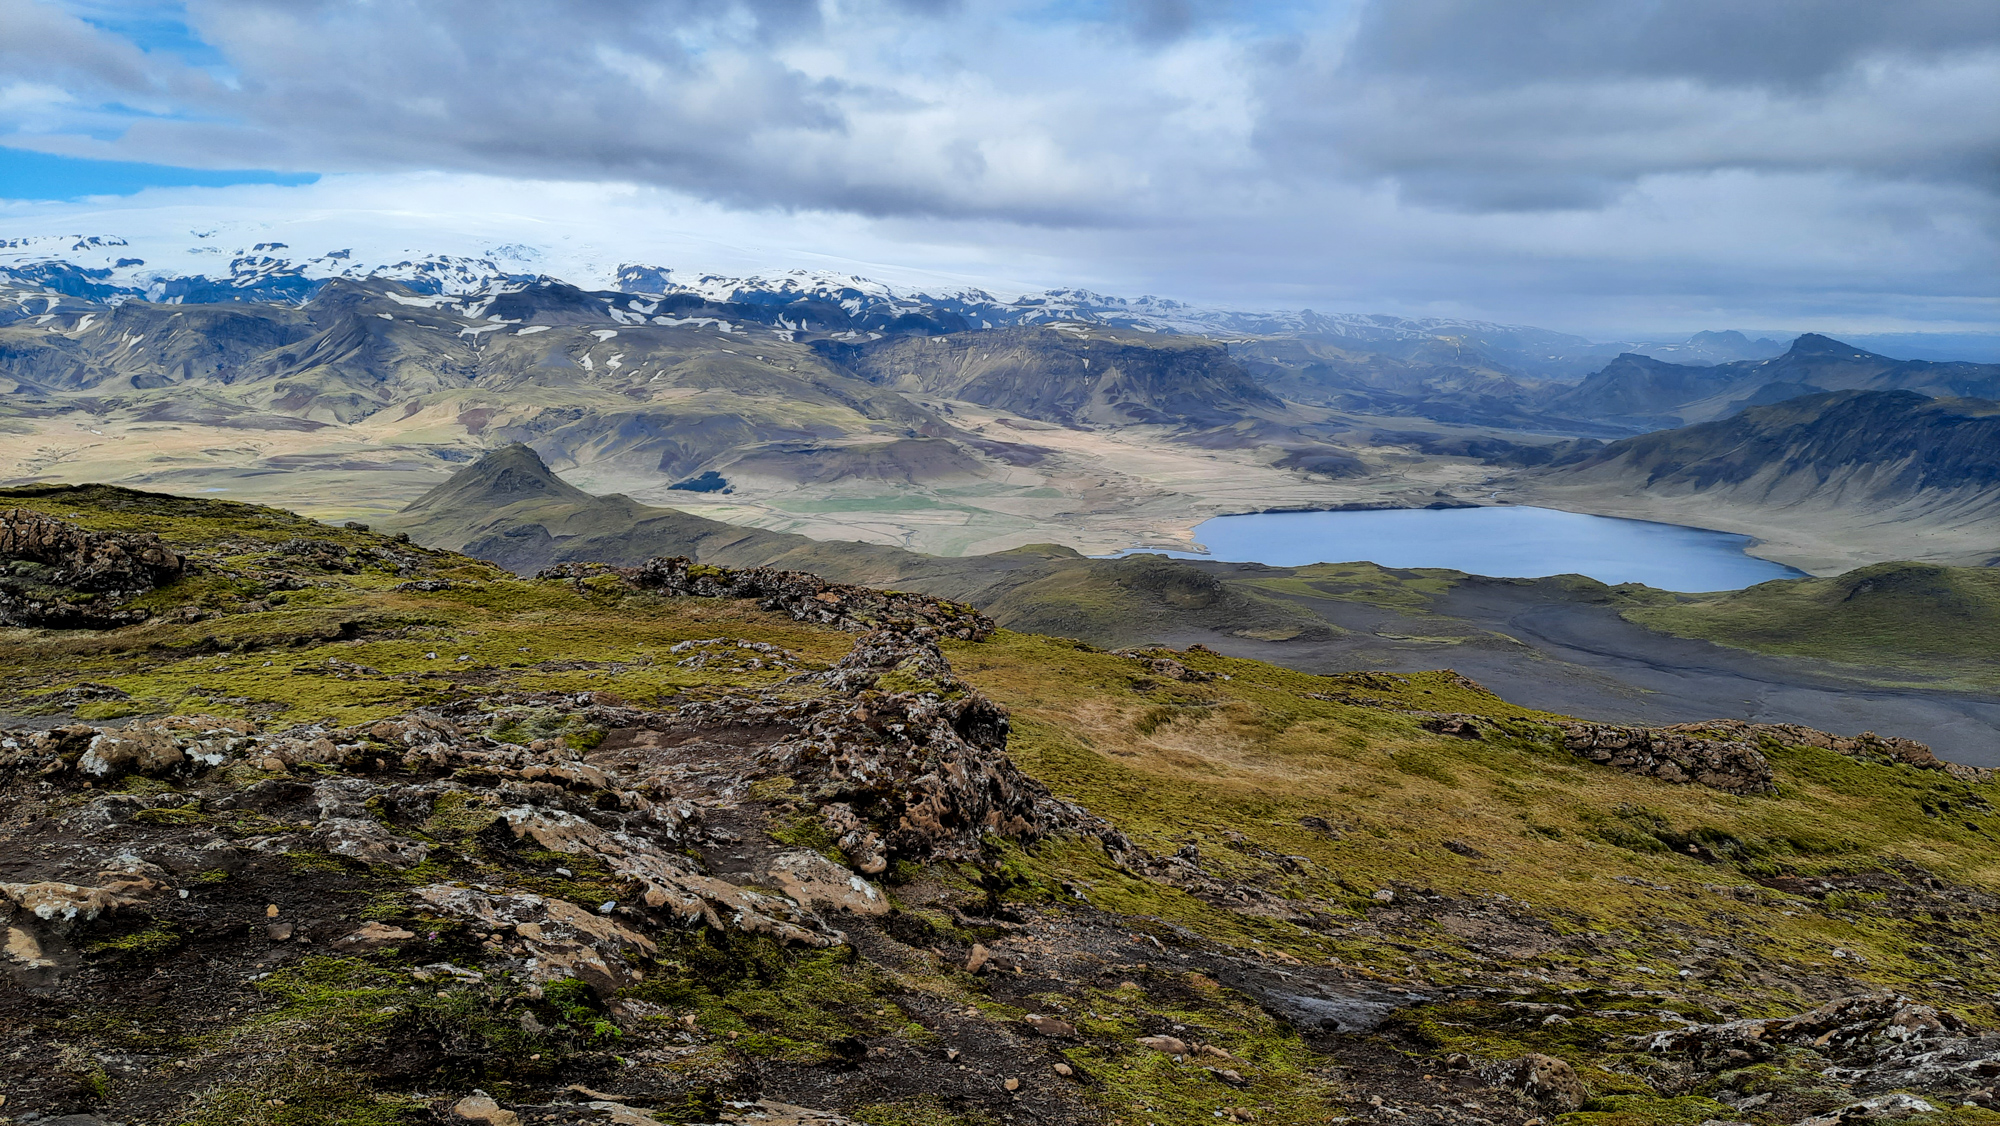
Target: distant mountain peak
x: 503, y: 476
x: 1814, y: 344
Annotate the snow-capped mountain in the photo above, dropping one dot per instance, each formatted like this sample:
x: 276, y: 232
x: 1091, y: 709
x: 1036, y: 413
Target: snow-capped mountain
x: 203, y: 268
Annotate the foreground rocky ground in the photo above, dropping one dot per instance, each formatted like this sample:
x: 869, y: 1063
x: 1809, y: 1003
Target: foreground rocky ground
x: 302, y: 824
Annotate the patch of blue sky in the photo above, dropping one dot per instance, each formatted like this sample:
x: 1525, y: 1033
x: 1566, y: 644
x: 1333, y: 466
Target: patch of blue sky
x: 29, y: 175
x: 154, y: 26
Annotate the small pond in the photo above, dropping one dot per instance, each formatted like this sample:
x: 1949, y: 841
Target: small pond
x: 1507, y: 541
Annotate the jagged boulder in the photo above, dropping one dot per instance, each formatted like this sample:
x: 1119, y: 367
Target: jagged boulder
x: 1550, y: 1082
x: 58, y: 575
x: 929, y: 765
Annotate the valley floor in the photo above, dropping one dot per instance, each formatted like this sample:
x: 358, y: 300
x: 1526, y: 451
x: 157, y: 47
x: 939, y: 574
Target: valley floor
x: 1538, y: 644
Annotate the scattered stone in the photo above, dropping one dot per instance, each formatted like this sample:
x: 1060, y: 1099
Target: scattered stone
x: 1012, y: 1084
x: 480, y: 1108
x: 372, y: 936
x: 806, y: 597
x: 1545, y: 1079
x: 1050, y: 1026
x: 1171, y: 1045
x: 278, y: 932
x: 1064, y: 1070
x: 976, y: 961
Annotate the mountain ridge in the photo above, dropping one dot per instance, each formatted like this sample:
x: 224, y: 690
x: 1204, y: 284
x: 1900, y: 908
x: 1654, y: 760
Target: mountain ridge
x: 1647, y: 391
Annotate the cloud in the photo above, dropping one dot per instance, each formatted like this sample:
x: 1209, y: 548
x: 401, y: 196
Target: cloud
x: 1588, y: 158
x: 1509, y: 106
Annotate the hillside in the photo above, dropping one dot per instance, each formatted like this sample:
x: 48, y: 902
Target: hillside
x: 785, y: 409
x: 1073, y: 374
x: 1830, y: 481
x: 1648, y: 393
x: 1553, y: 643
x: 1858, y: 448
x: 509, y: 508
x: 1930, y: 621
x: 338, y: 829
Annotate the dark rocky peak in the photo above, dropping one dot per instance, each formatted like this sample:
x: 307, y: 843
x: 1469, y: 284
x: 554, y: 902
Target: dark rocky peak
x: 64, y: 278
x: 353, y: 294
x: 500, y: 477
x: 550, y: 302
x: 1814, y: 346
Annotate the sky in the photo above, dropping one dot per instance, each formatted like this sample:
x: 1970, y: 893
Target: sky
x: 1616, y: 168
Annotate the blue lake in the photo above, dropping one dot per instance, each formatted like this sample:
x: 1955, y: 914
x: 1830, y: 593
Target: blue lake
x: 1506, y: 541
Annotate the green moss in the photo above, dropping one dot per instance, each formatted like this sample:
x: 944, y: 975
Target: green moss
x: 458, y: 814
x: 97, y: 710
x: 780, y: 1002
x: 807, y: 831
x: 1647, y: 1110
x: 301, y: 1093
x: 154, y: 940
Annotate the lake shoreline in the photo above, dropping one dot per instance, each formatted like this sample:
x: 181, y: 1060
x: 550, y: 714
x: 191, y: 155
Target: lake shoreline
x: 1515, y: 541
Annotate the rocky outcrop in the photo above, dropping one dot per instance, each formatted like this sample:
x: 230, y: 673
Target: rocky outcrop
x: 1672, y: 754
x: 805, y: 597
x: 1722, y: 754
x: 1867, y: 745
x: 927, y: 764
x: 58, y: 575
x: 1850, y: 1029
x: 1875, y: 1043
x: 899, y: 758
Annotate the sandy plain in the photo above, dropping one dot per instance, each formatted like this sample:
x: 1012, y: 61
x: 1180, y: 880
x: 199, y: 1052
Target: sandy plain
x: 1096, y: 490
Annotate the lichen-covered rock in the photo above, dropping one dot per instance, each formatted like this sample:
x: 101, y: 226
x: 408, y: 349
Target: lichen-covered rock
x: 1678, y: 755
x: 54, y: 901
x: 1867, y: 745
x: 558, y: 938
x: 56, y: 574
x: 812, y: 879
x: 1857, y: 1031
x: 1550, y: 1082
x: 1156, y: 662
x: 929, y: 765
x: 144, y: 752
